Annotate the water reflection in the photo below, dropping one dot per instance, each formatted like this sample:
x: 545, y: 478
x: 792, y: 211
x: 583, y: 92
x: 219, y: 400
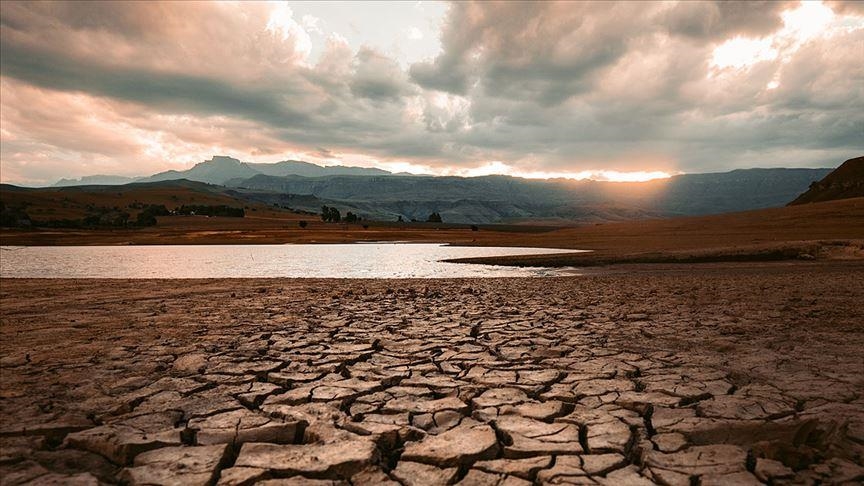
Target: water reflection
x: 376, y: 260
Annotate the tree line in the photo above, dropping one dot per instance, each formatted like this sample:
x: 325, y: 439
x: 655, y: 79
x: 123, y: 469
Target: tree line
x: 332, y: 215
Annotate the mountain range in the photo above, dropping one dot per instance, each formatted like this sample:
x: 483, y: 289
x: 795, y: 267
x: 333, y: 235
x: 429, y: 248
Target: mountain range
x: 221, y: 169
x: 381, y: 195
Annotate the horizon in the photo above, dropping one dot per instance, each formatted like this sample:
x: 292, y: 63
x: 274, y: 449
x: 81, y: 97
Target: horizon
x: 567, y: 91
x: 594, y: 176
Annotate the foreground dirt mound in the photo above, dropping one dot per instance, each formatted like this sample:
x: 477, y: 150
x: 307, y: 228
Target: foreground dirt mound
x: 716, y: 375
x: 846, y: 181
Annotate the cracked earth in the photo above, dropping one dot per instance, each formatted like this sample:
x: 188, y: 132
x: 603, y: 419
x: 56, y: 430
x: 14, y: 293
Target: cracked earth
x: 698, y: 375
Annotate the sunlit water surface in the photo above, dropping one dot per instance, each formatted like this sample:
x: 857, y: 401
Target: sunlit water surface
x: 369, y: 260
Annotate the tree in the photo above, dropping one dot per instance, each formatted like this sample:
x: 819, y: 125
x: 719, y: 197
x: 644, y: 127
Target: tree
x: 434, y: 218
x: 303, y: 223
x: 350, y: 217
x: 145, y: 218
x: 330, y: 215
x: 474, y: 227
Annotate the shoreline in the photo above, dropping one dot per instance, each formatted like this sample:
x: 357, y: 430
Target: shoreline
x: 836, y: 250
x: 795, y: 232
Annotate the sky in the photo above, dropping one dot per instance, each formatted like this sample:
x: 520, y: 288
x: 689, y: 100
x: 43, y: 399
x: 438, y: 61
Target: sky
x: 614, y: 91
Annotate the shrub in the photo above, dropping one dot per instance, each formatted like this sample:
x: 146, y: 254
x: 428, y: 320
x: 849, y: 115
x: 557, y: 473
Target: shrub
x: 303, y: 223
x: 218, y: 210
x: 145, y: 218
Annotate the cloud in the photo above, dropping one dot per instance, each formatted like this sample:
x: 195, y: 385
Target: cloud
x: 378, y: 77
x: 724, y: 19
x: 538, y: 87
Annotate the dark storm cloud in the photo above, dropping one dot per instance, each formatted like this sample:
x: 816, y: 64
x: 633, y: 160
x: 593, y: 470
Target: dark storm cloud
x: 547, y: 86
x: 545, y: 51
x: 724, y: 19
x: 171, y: 92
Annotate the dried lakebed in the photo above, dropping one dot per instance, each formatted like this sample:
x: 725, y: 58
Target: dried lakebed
x: 710, y: 374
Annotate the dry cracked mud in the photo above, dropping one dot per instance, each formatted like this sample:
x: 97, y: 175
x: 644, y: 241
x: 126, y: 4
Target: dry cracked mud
x: 696, y: 375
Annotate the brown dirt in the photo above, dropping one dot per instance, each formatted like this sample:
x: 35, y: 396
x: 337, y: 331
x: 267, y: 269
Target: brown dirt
x: 711, y: 373
x: 745, y: 233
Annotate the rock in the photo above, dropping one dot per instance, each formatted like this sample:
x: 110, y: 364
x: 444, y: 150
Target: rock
x: 417, y: 474
x: 604, y: 431
x: 301, y: 481
x: 340, y: 459
x: 524, y: 468
x: 288, y: 378
x: 745, y: 408
x: 21, y: 472
x: 192, y: 363
x: 737, y: 479
x: 373, y: 475
x: 241, y: 476
x: 601, y: 387
x: 670, y: 478
x: 768, y: 469
x: 628, y: 476
x: 459, y: 446
x: 531, y: 437
x: 55, y: 429
x: 258, y: 391
x: 54, y: 479
x: 413, y: 405
x: 69, y: 461
x: 121, y: 442
x: 600, y: 464
x: 840, y: 470
x: 670, y: 442
x: 345, y: 389
x: 177, y: 465
x: 566, y: 468
x: 495, y: 397
x: 535, y: 410
x: 699, y: 460
x: 481, y: 478
x: 240, y: 426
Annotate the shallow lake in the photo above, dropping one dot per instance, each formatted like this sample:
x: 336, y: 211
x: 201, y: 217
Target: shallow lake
x: 359, y: 260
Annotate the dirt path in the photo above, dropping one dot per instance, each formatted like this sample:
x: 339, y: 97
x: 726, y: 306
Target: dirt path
x: 705, y: 374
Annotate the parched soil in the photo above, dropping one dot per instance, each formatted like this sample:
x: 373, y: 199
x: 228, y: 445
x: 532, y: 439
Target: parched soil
x: 692, y: 374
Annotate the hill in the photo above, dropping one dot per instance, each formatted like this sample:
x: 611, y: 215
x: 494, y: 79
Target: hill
x: 831, y: 229
x: 492, y: 199
x: 305, y: 169
x: 59, y: 205
x: 95, y: 180
x: 844, y: 182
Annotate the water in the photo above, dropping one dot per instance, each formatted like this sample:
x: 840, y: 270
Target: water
x: 369, y: 260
